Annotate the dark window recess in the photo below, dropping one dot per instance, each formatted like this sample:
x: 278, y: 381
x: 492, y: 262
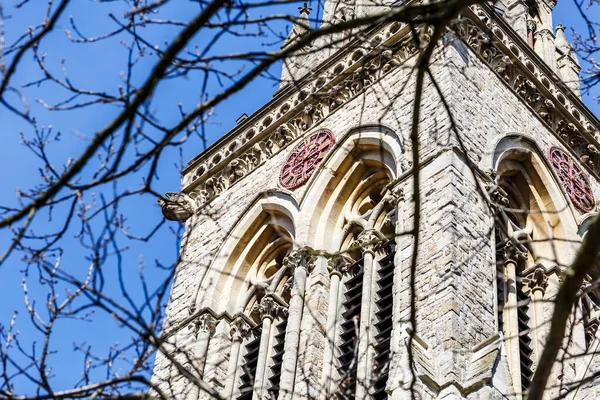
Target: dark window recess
x: 384, y: 321
x: 525, y: 350
x: 349, y: 333
x: 249, y: 366
x: 277, y: 359
x: 500, y: 281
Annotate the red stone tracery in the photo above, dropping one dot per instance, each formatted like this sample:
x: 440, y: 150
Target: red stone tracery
x: 573, y: 179
x: 305, y: 158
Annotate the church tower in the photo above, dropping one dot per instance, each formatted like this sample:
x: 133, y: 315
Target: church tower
x: 299, y: 276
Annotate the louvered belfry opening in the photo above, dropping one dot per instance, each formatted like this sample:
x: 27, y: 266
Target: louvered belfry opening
x: 525, y: 349
x: 500, y: 280
x: 249, y: 366
x: 383, y: 320
x: 277, y: 359
x: 349, y: 334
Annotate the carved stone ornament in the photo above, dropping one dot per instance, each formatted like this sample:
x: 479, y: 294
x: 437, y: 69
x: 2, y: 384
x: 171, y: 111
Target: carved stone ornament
x: 513, y: 253
x: 269, y: 308
x: 340, y: 263
x: 262, y: 136
x: 176, y: 206
x: 239, y: 329
x: 573, y: 179
x: 538, y: 280
x: 369, y: 240
x: 303, y: 257
x: 305, y: 158
x: 205, y: 323
x: 498, y: 196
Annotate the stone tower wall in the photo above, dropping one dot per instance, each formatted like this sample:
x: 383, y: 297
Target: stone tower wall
x: 458, y: 351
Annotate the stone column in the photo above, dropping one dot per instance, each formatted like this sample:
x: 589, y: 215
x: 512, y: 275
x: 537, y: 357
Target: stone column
x: 538, y: 282
x: 338, y: 264
x: 204, y: 327
x: 530, y: 31
x: 512, y: 255
x: 269, y: 309
x: 298, y: 261
x: 544, y: 35
x: 368, y: 241
x: 239, y: 330
x: 515, y: 15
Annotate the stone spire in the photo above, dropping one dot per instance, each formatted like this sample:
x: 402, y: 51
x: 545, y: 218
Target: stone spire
x: 295, y: 66
x: 567, y: 61
x: 301, y: 26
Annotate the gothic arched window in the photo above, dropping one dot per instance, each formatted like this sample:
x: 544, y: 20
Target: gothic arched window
x: 367, y: 278
x: 532, y: 228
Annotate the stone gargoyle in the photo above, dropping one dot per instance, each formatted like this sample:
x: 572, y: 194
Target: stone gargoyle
x: 177, y: 206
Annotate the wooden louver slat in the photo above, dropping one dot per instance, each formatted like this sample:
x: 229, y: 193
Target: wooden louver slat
x: 249, y: 366
x: 277, y: 358
x: 349, y: 333
x: 384, y: 321
x: 525, y: 349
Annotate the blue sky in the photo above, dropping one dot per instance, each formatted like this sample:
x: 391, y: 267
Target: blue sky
x: 97, y: 66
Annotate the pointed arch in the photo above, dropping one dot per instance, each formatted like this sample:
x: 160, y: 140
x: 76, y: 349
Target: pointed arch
x: 536, y: 230
x: 534, y: 189
x: 353, y: 176
x: 252, y: 252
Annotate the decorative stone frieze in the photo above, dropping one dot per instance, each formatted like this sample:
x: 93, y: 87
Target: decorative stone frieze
x: 259, y: 139
x: 177, y: 206
x: 534, y: 83
x: 312, y: 102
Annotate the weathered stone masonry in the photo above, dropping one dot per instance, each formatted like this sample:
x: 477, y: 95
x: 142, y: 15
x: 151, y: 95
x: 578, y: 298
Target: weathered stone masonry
x: 259, y: 265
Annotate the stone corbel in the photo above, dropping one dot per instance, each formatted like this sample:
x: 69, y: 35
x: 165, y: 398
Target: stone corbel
x: 177, y: 206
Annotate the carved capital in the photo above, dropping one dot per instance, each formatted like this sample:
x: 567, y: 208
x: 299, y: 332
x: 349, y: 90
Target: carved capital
x: 369, y: 240
x: 303, y: 257
x: 531, y: 25
x: 339, y: 264
x: 269, y: 308
x: 205, y: 324
x: 538, y: 280
x: 394, y: 196
x: 239, y: 329
x: 176, y: 206
x: 513, y: 252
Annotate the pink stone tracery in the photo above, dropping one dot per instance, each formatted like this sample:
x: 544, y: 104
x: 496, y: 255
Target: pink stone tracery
x: 305, y: 158
x: 573, y: 179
